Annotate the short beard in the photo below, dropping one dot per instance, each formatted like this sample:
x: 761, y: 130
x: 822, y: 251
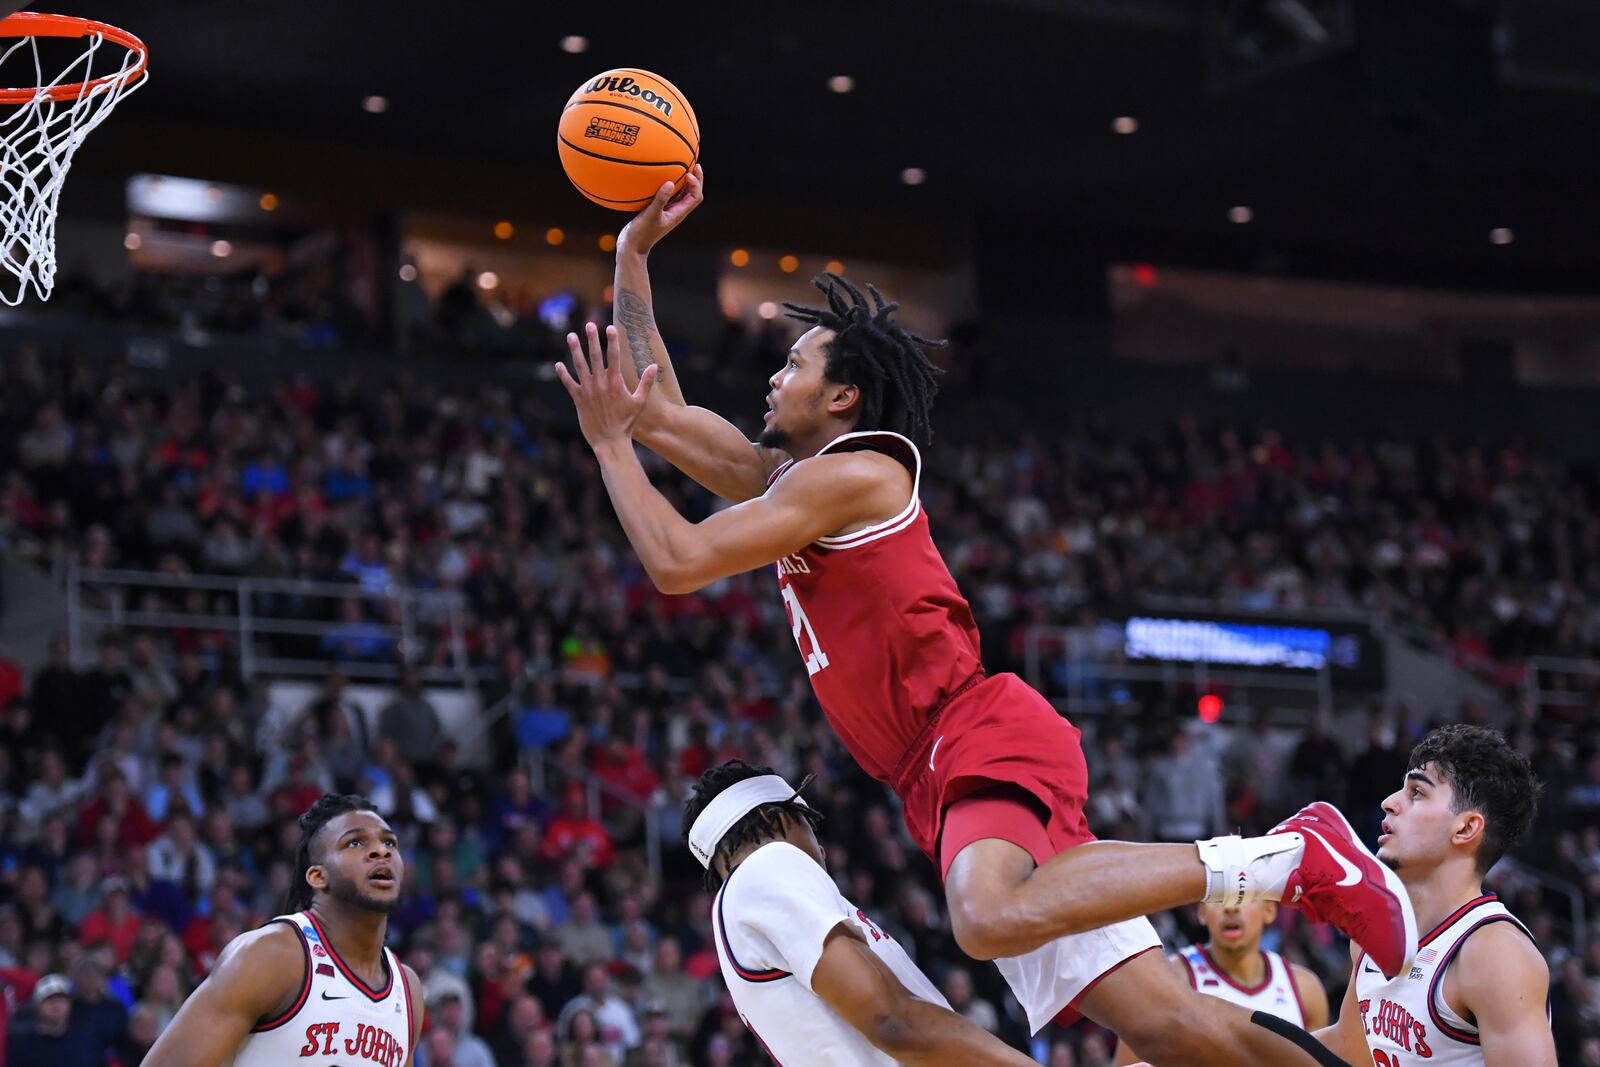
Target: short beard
x: 350, y: 893
x: 772, y: 437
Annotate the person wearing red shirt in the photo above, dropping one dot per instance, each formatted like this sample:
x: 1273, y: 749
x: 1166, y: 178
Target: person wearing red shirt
x: 623, y: 767
x: 16, y: 986
x: 134, y: 825
x: 574, y: 834
x: 114, y: 920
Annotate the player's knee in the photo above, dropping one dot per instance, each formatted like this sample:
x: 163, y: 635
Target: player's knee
x: 981, y: 927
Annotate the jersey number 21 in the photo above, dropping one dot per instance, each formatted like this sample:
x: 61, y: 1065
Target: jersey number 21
x: 816, y: 659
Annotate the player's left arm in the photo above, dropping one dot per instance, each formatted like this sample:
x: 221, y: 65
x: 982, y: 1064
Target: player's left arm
x: 1504, y: 985
x: 418, y: 1012
x: 822, y: 496
x: 1313, y: 997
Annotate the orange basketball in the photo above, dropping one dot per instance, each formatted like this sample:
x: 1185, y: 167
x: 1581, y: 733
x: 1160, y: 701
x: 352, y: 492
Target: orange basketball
x: 625, y: 132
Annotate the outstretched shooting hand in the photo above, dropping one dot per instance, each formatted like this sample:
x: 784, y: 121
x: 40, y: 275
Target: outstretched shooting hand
x: 663, y: 214
x: 607, y: 408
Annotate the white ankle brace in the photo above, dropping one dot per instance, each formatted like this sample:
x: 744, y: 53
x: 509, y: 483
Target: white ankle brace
x: 1242, y: 869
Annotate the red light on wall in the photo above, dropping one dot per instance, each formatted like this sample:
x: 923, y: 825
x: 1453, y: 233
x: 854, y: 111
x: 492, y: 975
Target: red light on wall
x: 1144, y: 275
x: 1210, y: 707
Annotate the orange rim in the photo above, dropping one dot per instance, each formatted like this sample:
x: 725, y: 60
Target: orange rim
x: 36, y: 24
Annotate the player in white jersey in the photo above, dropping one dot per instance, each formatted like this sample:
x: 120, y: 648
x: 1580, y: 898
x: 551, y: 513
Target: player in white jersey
x: 315, y: 987
x: 1233, y: 966
x: 813, y: 977
x: 1478, y: 992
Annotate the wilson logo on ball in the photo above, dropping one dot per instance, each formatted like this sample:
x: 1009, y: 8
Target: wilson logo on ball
x: 627, y: 85
x: 608, y: 130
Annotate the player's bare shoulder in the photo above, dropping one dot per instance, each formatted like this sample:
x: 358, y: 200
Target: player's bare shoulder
x: 868, y: 487
x: 267, y: 966
x: 1496, y: 959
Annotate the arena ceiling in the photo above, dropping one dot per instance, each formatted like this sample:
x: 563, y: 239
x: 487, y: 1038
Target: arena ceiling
x: 1377, y: 137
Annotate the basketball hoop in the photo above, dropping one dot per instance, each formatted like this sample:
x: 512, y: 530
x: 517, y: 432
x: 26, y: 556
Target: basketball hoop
x: 42, y: 126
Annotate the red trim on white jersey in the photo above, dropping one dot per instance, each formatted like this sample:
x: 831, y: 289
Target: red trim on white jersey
x: 305, y: 984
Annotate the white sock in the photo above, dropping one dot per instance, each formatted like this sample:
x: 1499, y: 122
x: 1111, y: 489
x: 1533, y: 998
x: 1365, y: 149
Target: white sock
x: 1242, y: 869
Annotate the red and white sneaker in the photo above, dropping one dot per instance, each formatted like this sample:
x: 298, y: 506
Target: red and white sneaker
x: 1340, y: 882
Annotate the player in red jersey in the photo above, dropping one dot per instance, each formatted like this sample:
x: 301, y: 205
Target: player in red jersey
x: 992, y: 778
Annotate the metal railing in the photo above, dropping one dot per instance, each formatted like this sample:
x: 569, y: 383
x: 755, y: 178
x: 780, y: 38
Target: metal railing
x: 1581, y: 678
x: 254, y: 611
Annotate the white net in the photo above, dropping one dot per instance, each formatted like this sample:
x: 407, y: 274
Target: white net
x: 37, y: 142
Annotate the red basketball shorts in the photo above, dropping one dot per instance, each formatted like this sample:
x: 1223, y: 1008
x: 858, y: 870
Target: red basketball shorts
x: 998, y: 733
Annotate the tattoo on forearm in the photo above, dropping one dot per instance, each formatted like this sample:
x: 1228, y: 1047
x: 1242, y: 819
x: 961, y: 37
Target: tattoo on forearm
x: 634, y: 315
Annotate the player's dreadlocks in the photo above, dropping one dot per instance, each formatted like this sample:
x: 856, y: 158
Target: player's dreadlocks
x: 762, y: 824
x: 327, y: 808
x: 877, y: 355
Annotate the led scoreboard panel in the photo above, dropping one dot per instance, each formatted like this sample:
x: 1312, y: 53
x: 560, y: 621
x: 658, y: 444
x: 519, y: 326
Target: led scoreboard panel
x: 1349, y: 651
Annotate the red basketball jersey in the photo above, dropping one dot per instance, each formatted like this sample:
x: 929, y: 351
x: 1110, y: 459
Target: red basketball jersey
x: 885, y: 634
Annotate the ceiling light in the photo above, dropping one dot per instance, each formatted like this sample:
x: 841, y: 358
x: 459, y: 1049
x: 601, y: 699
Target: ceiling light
x: 375, y: 105
x: 1501, y: 235
x: 608, y: 242
x: 575, y: 43
x: 1240, y: 214
x: 554, y: 235
x: 913, y: 175
x: 488, y: 280
x: 1125, y: 124
x: 834, y: 266
x: 841, y: 83
x: 739, y: 257
x: 268, y: 202
x: 504, y: 230
x: 221, y: 249
x: 789, y: 264
x: 132, y: 242
x: 408, y: 272
x: 767, y: 310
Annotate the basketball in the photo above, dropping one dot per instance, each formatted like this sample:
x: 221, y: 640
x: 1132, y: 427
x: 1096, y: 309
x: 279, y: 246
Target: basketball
x: 623, y: 133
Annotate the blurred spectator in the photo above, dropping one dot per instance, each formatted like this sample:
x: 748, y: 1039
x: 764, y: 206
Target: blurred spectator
x: 616, y: 1026
x: 51, y: 1033
x: 1183, y: 793
x: 573, y: 834
x: 114, y: 921
x: 446, y: 1012
x: 178, y: 856
x: 173, y: 784
x: 93, y: 1005
x: 143, y: 1029
x: 411, y: 722
x: 584, y: 938
x: 976, y: 1010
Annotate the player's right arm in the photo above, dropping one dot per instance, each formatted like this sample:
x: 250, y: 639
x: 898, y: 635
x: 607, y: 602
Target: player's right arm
x: 866, y: 993
x: 258, y: 976
x: 696, y: 440
x: 1347, y: 1037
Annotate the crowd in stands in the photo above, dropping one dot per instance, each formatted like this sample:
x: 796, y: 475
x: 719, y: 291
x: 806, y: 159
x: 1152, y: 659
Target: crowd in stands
x: 147, y: 798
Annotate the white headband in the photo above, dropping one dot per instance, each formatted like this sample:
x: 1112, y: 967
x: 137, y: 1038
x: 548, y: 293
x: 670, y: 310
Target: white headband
x: 733, y: 804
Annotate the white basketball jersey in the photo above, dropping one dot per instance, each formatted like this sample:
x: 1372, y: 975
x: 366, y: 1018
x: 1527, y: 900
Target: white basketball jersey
x: 1406, y: 1018
x: 337, y: 1020
x: 770, y: 920
x: 1276, y: 994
